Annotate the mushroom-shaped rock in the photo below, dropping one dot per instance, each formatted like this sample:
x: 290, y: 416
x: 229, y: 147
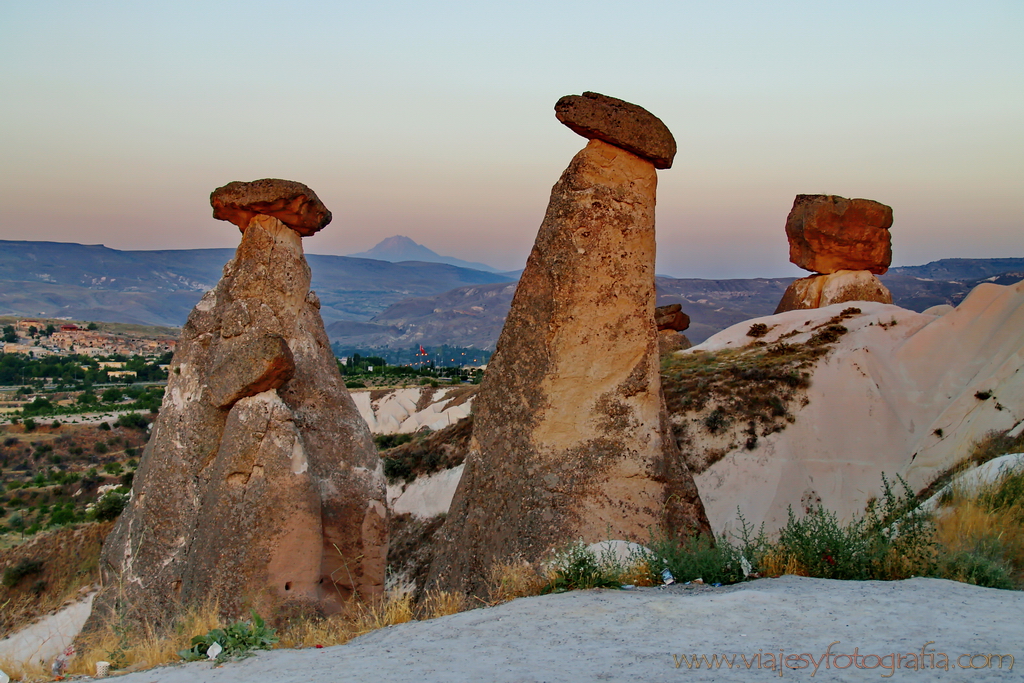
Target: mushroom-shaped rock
x: 829, y: 233
x: 671, y: 317
x: 627, y: 126
x: 290, y: 202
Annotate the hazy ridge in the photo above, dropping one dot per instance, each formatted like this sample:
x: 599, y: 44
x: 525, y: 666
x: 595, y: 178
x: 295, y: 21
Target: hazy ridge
x: 373, y: 303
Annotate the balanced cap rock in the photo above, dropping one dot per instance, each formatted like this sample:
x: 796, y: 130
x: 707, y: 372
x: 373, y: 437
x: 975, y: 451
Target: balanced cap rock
x: 261, y: 481
x: 290, y: 202
x: 619, y: 123
x: 570, y: 434
x: 846, y: 242
x: 829, y: 233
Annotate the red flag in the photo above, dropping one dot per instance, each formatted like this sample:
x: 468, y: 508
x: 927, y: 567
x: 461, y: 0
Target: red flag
x: 423, y: 351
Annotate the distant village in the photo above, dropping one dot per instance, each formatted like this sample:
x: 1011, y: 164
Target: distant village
x: 37, y: 338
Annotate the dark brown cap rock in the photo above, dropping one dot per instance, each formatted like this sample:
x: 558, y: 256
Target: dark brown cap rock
x: 671, y: 317
x: 618, y: 123
x: 290, y: 202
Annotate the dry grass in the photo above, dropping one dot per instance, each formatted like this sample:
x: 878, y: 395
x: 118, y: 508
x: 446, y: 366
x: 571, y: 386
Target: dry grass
x: 989, y: 524
x: 360, y: 617
x: 639, y: 573
x: 437, y: 603
x: 141, y: 649
x: 510, y: 580
x: 776, y: 562
x: 24, y: 671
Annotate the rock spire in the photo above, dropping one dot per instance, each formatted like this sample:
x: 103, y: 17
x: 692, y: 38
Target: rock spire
x: 261, y: 484
x: 570, y: 436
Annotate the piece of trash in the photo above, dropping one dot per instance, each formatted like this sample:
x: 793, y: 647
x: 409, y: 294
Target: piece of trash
x: 60, y: 662
x: 717, y: 585
x: 319, y: 647
x: 745, y: 566
x: 4, y: 678
x: 688, y: 583
x: 699, y: 581
x: 667, y: 578
x: 102, y: 669
x: 627, y: 586
x: 214, y: 650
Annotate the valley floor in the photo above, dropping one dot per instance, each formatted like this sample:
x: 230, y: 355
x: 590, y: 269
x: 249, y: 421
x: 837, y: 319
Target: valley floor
x: 642, y: 634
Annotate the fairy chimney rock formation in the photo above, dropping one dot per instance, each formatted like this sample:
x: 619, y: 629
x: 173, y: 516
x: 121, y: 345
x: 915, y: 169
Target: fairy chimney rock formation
x: 569, y: 437
x: 619, y: 123
x: 846, y: 242
x: 260, y: 484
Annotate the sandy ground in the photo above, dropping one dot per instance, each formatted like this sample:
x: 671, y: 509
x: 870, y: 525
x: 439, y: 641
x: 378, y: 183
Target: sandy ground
x: 606, y: 635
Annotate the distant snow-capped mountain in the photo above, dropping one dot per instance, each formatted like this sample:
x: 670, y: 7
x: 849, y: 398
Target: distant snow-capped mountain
x: 401, y: 248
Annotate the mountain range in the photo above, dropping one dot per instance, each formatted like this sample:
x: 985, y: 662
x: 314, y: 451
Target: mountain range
x: 400, y: 248
x: 376, y: 303
x: 474, y: 315
x: 93, y: 282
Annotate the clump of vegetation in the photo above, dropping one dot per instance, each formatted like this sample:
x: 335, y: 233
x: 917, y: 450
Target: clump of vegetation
x: 428, y: 453
x: 757, y: 330
x: 387, y: 441
x: 981, y: 534
x: 699, y: 558
x: 16, y: 572
x: 576, y: 567
x: 236, y: 641
x: 983, y: 395
x: 893, y: 540
x: 132, y: 421
x: 109, y: 506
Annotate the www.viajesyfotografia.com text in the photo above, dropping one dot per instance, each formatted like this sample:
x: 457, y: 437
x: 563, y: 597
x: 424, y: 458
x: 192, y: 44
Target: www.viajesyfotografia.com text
x: 778, y: 661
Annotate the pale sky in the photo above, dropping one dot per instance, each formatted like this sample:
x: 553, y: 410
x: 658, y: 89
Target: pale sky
x: 435, y: 120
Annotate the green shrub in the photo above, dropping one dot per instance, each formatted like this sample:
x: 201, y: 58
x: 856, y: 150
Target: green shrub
x: 386, y: 441
x: 132, y: 421
x: 109, y: 506
x: 237, y: 640
x: 977, y: 568
x: 893, y: 540
x: 100, y: 447
x: 699, y: 558
x: 15, y: 573
x: 576, y: 567
x: 397, y: 468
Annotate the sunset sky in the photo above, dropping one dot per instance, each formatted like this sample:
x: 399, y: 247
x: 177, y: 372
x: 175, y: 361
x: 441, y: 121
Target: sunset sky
x: 435, y: 120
